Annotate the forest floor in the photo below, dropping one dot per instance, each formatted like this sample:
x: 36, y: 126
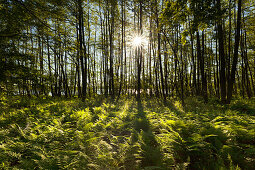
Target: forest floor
x: 43, y: 133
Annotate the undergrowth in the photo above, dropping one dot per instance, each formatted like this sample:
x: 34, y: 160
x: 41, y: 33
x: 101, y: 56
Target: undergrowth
x: 46, y: 133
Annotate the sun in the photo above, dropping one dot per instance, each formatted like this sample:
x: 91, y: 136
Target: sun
x: 137, y: 41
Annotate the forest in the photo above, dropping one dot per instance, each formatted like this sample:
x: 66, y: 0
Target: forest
x: 127, y: 84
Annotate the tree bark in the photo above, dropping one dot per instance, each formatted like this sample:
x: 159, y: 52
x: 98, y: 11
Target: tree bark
x: 235, y: 58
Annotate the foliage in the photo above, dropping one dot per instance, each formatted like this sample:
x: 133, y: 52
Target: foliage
x: 97, y: 134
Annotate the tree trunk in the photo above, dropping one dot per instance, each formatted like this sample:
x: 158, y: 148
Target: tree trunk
x: 235, y: 58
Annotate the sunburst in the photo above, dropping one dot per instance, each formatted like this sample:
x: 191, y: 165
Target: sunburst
x: 138, y: 41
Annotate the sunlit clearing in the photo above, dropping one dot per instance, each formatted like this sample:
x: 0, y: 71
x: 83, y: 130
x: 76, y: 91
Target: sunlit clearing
x: 137, y: 41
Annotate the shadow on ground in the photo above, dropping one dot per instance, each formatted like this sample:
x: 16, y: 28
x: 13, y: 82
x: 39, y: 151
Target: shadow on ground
x: 151, y: 156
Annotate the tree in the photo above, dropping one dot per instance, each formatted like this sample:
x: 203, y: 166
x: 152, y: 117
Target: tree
x: 235, y: 57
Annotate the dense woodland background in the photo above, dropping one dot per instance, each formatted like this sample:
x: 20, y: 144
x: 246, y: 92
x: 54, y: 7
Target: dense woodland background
x: 75, y: 47
x: 127, y: 84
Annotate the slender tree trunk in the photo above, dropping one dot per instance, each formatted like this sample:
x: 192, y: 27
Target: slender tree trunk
x: 49, y: 66
x: 222, y: 58
x: 203, y: 73
x: 235, y: 58
x: 82, y: 50
x: 194, y: 85
x: 200, y: 56
x: 159, y: 57
x: 139, y: 53
x: 111, y: 38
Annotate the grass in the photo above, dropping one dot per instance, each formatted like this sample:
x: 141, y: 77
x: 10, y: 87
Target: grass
x: 46, y: 133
